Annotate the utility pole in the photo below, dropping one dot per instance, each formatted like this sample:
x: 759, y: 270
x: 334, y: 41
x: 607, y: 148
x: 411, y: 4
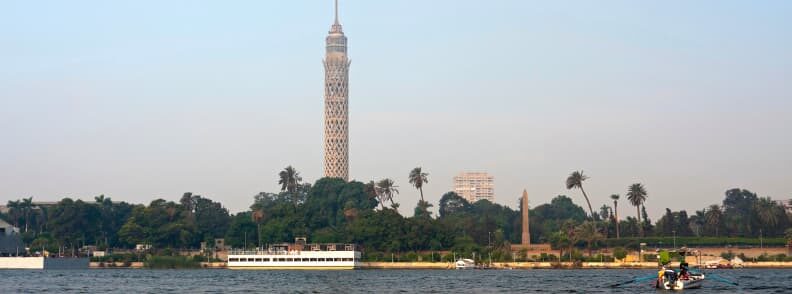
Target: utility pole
x: 674, y: 231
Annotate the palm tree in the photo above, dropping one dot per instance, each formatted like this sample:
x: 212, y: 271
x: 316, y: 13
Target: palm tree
x: 373, y: 193
x: 588, y: 232
x: 768, y: 212
x: 289, y: 179
x: 605, y: 210
x: 386, y: 188
x: 27, y: 206
x: 699, y: 219
x: 14, y: 211
x: 418, y: 178
x: 575, y: 181
x: 636, y: 194
x: 713, y: 217
x: 615, y: 198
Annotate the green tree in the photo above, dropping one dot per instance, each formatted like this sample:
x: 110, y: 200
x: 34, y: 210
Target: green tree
x: 452, y: 203
x: 615, y: 198
x: 636, y: 194
x: 739, y: 213
x: 27, y: 207
x: 605, y: 212
x: 770, y: 214
x: 243, y: 229
x: 713, y: 218
x: 422, y: 209
x: 14, y: 212
x: 575, y: 181
x: 588, y: 232
x: 418, y: 178
x: 619, y: 253
x: 386, y: 188
x: 547, y: 218
x: 373, y: 194
x: 289, y: 179
x: 131, y: 233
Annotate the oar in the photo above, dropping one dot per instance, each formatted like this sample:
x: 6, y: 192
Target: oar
x: 722, y: 280
x: 636, y: 280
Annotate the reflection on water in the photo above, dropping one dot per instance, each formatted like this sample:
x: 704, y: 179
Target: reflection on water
x: 380, y: 281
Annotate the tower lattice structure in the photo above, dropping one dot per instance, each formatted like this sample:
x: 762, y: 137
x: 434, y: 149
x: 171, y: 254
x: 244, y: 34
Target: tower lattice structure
x: 336, y: 115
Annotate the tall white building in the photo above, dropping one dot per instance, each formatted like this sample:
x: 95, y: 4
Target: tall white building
x: 336, y: 115
x: 474, y: 186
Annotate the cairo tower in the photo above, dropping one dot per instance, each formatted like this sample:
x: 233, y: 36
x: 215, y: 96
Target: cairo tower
x: 336, y: 115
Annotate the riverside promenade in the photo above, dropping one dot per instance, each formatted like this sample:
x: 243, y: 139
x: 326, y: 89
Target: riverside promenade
x: 495, y: 265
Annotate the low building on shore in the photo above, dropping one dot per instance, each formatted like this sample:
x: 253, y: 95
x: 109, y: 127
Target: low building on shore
x: 10, y: 242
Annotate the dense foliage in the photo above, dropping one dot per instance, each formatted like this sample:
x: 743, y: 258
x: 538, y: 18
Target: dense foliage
x: 332, y: 210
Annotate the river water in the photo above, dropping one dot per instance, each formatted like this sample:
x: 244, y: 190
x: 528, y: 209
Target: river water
x: 371, y: 281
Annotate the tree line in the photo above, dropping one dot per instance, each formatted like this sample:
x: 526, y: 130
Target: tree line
x: 332, y: 210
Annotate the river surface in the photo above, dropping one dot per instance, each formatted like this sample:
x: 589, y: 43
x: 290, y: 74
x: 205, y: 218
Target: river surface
x: 372, y: 281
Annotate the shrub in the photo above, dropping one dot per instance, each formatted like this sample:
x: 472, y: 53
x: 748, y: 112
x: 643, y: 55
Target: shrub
x: 730, y: 255
x: 171, y: 262
x: 619, y: 252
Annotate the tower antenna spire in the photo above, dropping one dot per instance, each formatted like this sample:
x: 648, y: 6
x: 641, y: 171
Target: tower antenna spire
x: 336, y: 11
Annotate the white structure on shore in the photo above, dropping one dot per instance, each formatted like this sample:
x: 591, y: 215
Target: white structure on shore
x: 298, y: 255
x: 336, y: 116
x: 475, y: 186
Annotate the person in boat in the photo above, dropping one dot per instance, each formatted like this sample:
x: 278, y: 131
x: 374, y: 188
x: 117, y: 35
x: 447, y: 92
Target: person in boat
x: 684, y: 271
x: 660, y: 274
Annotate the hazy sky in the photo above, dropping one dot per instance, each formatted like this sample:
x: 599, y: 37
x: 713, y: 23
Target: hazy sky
x: 140, y: 100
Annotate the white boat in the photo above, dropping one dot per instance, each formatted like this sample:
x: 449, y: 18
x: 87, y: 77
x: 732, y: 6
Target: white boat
x: 297, y: 255
x: 672, y: 281
x: 465, y: 264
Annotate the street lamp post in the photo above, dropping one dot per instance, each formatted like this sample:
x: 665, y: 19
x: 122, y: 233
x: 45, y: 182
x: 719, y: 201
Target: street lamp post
x: 761, y: 241
x: 674, y: 231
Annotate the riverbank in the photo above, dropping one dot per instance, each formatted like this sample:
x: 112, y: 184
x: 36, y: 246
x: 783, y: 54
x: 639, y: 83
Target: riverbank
x: 450, y: 265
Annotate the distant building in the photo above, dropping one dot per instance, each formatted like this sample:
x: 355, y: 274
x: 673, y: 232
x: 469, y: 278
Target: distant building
x: 475, y: 186
x: 7, y: 229
x: 786, y: 204
x: 10, y: 243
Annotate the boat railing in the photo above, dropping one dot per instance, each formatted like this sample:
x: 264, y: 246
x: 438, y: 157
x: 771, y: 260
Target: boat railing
x: 291, y: 249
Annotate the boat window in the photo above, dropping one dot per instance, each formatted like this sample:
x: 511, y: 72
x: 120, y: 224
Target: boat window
x: 290, y: 259
x: 313, y: 259
x: 233, y: 259
x: 306, y: 260
x: 258, y: 259
x: 281, y: 260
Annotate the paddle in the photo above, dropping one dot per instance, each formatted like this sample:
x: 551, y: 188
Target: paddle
x: 635, y: 280
x: 722, y: 280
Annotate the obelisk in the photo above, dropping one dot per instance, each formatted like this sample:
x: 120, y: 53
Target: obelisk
x: 526, y: 232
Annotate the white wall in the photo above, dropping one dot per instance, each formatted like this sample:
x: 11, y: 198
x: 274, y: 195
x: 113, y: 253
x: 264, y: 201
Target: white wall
x: 21, y: 262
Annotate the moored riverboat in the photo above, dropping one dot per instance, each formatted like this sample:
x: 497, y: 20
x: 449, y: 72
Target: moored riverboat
x: 297, y: 256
